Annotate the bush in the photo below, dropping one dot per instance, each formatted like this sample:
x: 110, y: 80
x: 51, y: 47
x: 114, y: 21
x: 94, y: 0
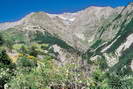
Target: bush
x: 6, y: 68
x: 25, y: 62
x: 103, y: 80
x: 98, y: 80
x: 33, y: 51
x: 1, y: 40
x: 5, y: 76
x: 4, y: 58
x: 44, y: 46
x: 120, y: 82
x: 48, y: 75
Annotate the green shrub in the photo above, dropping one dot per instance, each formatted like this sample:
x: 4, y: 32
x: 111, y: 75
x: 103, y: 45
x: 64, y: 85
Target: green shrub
x: 1, y: 40
x: 4, y: 57
x: 33, y: 51
x: 103, y: 80
x: 44, y: 46
x: 98, y: 80
x: 18, y: 46
x: 120, y: 82
x: 5, y: 76
x: 6, y: 68
x: 48, y: 75
x: 25, y: 62
x: 24, y: 49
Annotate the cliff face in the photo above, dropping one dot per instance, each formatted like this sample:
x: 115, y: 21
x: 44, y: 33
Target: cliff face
x: 98, y: 32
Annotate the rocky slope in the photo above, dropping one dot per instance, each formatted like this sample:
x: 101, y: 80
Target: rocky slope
x: 75, y: 28
x: 98, y: 32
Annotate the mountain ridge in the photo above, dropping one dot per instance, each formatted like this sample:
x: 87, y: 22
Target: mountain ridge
x: 65, y: 20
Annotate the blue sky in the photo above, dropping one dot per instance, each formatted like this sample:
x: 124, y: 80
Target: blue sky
x: 12, y: 10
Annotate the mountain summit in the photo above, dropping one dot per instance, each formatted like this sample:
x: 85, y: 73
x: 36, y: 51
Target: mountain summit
x: 77, y: 24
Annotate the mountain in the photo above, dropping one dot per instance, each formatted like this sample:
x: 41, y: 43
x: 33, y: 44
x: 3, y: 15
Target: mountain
x: 88, y: 49
x: 104, y: 33
x: 80, y: 26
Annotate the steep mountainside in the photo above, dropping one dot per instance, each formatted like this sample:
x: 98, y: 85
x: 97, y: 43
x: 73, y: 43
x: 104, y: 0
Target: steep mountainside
x: 75, y: 28
x: 97, y: 32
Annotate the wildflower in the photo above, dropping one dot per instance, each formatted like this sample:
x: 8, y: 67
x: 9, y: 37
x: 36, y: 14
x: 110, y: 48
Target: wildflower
x: 21, y: 55
x: 30, y: 57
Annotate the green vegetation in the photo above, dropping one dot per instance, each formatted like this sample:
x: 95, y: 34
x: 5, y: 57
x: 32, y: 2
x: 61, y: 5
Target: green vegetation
x: 21, y: 68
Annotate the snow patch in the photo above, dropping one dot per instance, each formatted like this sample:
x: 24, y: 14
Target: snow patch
x: 67, y: 18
